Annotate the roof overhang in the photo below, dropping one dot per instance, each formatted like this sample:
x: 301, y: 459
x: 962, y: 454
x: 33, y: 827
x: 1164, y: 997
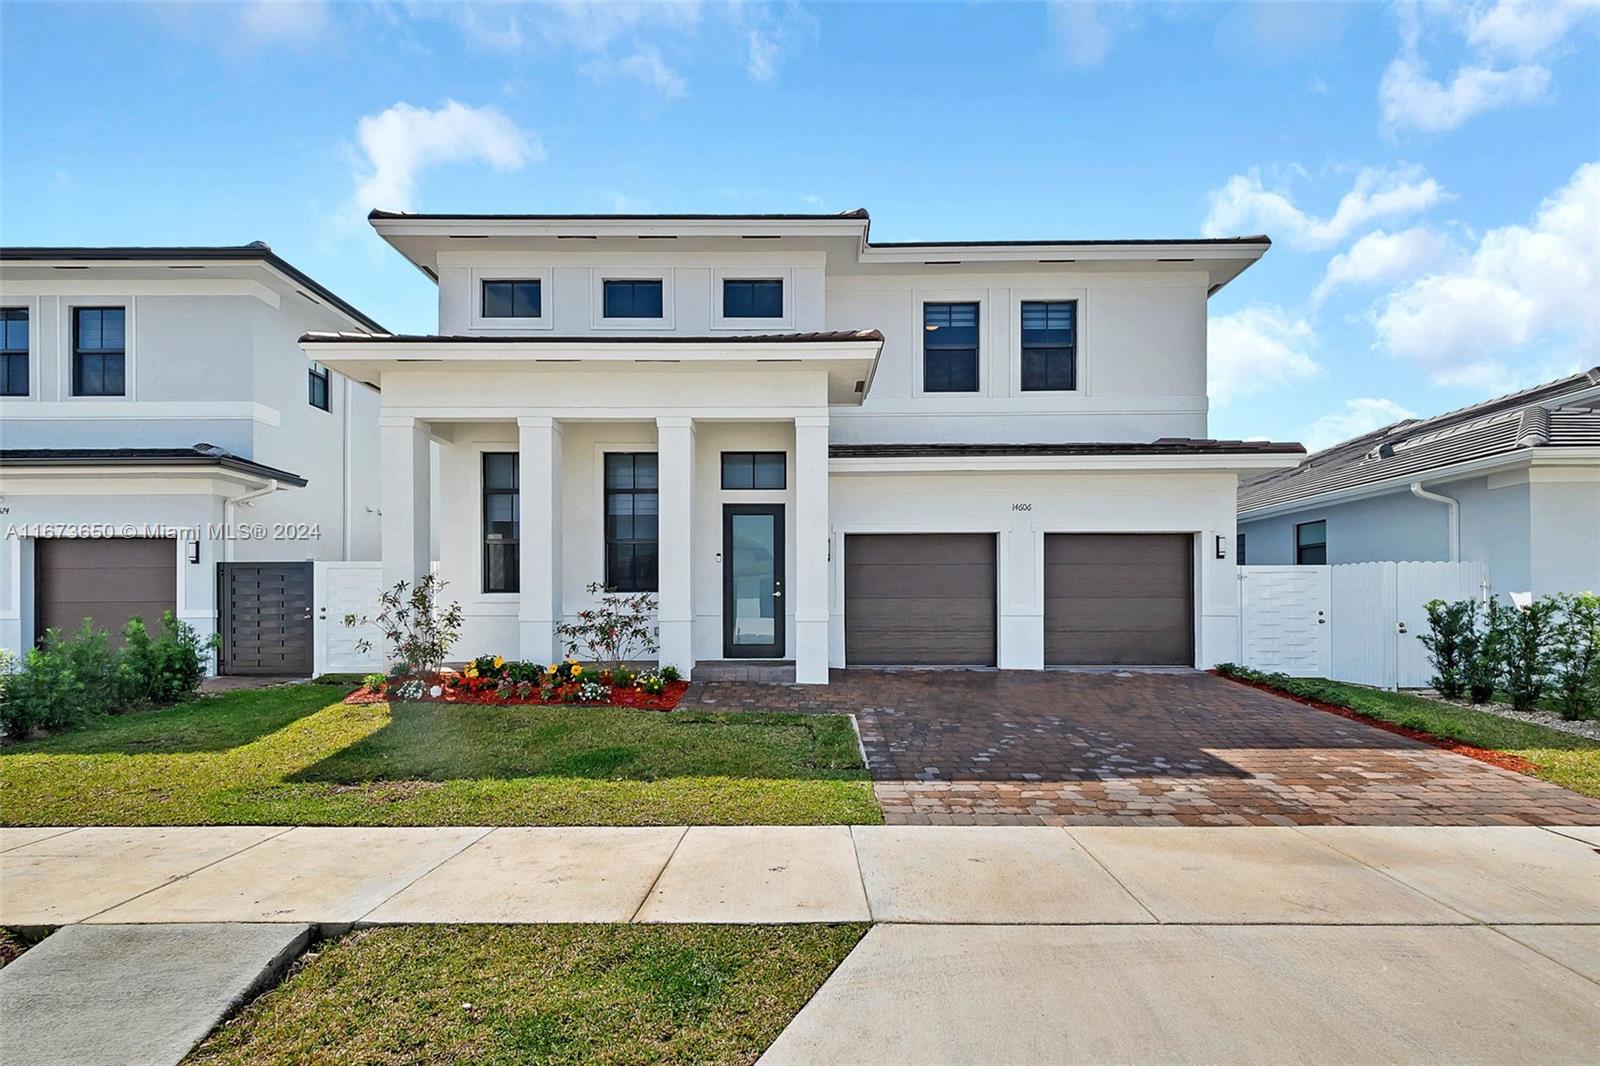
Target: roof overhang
x: 18, y: 465
x: 1547, y: 456
x: 850, y: 359
x: 1206, y: 456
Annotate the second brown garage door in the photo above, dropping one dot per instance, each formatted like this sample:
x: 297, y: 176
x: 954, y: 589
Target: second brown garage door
x: 919, y: 599
x: 106, y: 580
x: 1124, y: 599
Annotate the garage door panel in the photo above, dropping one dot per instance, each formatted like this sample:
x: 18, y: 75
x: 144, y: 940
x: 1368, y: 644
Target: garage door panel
x: 920, y: 599
x: 1119, y: 600
x: 106, y: 580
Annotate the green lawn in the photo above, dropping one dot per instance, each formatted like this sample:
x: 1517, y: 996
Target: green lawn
x: 1562, y: 758
x: 296, y: 755
x: 547, y: 994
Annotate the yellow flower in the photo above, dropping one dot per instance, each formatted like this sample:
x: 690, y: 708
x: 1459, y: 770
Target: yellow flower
x: 576, y: 670
x: 471, y: 670
x: 552, y: 668
x: 498, y: 662
x: 571, y: 660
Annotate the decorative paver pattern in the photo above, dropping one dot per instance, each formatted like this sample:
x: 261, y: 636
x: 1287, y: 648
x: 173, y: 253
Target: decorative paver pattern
x: 974, y: 747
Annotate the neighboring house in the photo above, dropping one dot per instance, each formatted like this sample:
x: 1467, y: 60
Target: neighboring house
x: 1513, y: 482
x: 811, y: 447
x: 151, y: 397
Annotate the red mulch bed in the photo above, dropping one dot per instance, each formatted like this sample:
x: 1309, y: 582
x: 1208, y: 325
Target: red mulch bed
x: 1504, y: 760
x: 488, y: 697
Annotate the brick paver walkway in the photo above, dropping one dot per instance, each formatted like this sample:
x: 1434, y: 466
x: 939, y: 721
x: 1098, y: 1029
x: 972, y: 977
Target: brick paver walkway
x: 1053, y: 748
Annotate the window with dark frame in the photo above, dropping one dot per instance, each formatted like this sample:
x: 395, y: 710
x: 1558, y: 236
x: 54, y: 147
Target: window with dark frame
x: 752, y: 298
x: 632, y: 521
x: 13, y: 351
x: 318, y: 391
x: 950, y: 347
x: 1311, y: 543
x: 633, y: 299
x: 1049, y: 345
x: 1240, y: 560
x: 99, y: 352
x: 513, y: 299
x: 502, y: 522
x: 755, y: 470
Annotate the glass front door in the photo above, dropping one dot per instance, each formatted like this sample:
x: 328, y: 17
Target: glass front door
x: 752, y: 581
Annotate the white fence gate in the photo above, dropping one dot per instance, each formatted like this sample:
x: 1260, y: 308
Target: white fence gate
x: 1375, y: 613
x: 341, y: 589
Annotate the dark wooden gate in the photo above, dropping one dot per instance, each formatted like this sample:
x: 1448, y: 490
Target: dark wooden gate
x: 265, y: 618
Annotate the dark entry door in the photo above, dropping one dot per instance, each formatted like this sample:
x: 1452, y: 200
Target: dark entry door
x: 752, y: 581
x: 266, y: 618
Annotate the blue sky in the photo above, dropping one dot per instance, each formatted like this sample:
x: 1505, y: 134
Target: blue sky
x: 1430, y: 174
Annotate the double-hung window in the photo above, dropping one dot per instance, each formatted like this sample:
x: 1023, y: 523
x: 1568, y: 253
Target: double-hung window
x: 1311, y: 543
x: 1049, y: 345
x: 99, y: 352
x: 950, y: 347
x: 502, y: 522
x: 752, y: 298
x: 631, y: 521
x: 633, y: 299
x: 513, y: 299
x: 317, y: 390
x: 13, y: 351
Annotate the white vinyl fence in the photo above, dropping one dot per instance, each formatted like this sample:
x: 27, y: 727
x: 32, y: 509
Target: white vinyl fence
x: 341, y: 589
x: 1353, y: 622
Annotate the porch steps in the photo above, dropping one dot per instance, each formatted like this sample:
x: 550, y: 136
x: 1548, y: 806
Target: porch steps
x: 768, y: 671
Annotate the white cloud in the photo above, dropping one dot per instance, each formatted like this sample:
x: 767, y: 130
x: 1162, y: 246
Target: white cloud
x: 1382, y: 256
x: 1257, y: 348
x: 399, y: 143
x: 1522, y: 290
x: 1510, y: 45
x: 295, y: 22
x: 644, y: 65
x: 1352, y: 420
x: 1244, y: 205
x: 763, y: 56
x: 1081, y: 35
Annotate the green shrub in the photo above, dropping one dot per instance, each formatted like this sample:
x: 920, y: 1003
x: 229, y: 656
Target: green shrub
x: 1575, y: 656
x: 64, y: 682
x: 162, y: 669
x: 342, y: 679
x: 1484, y: 662
x: 523, y: 672
x: 622, y: 677
x: 1450, y: 640
x: 1527, y: 655
x: 669, y: 673
x: 374, y: 681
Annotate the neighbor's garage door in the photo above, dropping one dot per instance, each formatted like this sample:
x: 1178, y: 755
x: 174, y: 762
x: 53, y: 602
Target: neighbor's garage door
x: 266, y: 619
x: 1124, y: 599
x: 106, y: 580
x: 922, y: 599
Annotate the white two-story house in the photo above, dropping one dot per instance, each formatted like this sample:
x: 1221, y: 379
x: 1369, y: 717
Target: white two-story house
x: 813, y: 449
x: 165, y: 445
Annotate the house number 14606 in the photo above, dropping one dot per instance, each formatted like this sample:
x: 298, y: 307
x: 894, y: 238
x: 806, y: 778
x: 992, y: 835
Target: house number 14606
x: 1022, y: 507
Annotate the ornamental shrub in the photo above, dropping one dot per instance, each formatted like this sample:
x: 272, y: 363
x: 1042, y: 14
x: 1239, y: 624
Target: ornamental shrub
x: 1575, y: 656
x: 1450, y: 642
x: 1527, y: 651
x: 420, y: 631
x: 524, y: 672
x: 1484, y: 662
x: 161, y: 669
x: 669, y: 673
x: 621, y: 629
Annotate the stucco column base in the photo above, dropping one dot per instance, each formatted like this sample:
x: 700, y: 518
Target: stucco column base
x: 537, y: 641
x: 677, y: 645
x: 811, y: 651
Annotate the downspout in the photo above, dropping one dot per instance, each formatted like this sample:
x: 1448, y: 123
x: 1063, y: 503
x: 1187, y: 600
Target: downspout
x: 228, y: 506
x: 1455, y: 516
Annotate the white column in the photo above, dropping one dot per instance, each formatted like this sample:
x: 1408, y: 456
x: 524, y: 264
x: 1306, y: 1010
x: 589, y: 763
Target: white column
x: 539, y: 486
x: 405, y: 498
x: 812, y: 530
x: 675, y: 614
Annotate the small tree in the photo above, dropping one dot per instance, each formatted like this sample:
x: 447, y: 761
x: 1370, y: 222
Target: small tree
x: 620, y: 630
x: 419, y: 633
x: 1527, y: 651
x: 1575, y: 658
x: 1485, y: 661
x: 1450, y: 641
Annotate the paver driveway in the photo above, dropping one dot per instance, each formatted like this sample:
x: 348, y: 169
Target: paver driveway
x: 991, y: 747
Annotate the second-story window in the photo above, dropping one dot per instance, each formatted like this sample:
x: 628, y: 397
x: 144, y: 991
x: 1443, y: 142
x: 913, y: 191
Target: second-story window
x: 99, y: 352
x: 950, y: 347
x: 502, y: 522
x: 513, y: 299
x: 13, y: 351
x: 754, y: 298
x: 633, y: 299
x: 317, y: 385
x: 1049, y: 345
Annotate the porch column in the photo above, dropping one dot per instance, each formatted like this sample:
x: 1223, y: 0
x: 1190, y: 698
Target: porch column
x: 675, y: 537
x: 539, y: 566
x: 812, y: 530
x: 404, y: 495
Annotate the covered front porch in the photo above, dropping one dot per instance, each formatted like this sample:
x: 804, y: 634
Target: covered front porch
x: 530, y: 471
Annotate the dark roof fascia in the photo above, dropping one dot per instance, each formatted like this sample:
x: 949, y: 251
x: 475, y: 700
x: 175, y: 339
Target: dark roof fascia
x: 870, y: 336
x: 211, y: 253
x: 1160, y: 447
x: 143, y: 457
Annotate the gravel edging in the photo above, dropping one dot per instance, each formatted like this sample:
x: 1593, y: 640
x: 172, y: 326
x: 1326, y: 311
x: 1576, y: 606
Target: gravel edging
x: 1587, y: 728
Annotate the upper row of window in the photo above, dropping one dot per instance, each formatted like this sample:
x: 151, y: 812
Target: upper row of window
x: 633, y: 298
x: 1049, y: 346
x: 99, y: 351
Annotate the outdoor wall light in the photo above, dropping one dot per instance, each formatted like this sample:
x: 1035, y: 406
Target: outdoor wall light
x: 194, y: 551
x: 1222, y: 547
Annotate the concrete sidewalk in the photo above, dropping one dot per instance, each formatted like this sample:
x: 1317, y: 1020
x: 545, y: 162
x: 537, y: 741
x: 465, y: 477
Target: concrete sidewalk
x: 1330, y: 875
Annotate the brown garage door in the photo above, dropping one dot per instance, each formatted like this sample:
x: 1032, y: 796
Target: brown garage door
x: 922, y: 599
x: 1122, y: 599
x: 107, y: 580
x: 266, y: 619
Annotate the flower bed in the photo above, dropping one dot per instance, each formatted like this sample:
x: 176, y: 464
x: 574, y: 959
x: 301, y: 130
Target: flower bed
x: 490, y: 680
